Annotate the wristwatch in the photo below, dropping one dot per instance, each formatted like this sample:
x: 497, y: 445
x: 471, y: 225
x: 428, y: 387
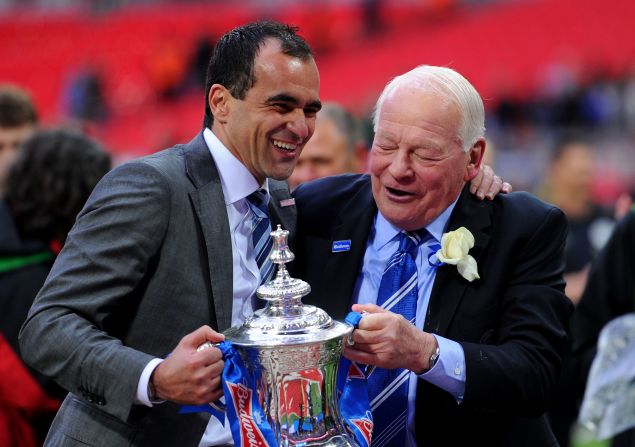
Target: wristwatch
x: 152, y: 392
x: 433, y: 358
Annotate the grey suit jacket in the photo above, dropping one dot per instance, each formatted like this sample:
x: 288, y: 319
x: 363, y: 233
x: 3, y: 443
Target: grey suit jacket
x: 148, y: 261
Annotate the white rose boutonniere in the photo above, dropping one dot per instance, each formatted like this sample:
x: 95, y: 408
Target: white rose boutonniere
x: 455, y: 246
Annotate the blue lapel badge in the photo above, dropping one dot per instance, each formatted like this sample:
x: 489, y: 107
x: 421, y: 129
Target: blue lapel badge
x: 339, y: 246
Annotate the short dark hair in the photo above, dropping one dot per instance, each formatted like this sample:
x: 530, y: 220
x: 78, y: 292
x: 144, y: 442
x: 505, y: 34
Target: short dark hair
x: 232, y: 62
x: 564, y: 140
x: 49, y: 181
x: 16, y: 107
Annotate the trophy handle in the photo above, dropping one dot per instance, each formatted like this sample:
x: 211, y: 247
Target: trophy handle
x: 218, y: 405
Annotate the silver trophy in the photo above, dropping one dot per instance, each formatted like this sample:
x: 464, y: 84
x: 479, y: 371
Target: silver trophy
x: 292, y: 350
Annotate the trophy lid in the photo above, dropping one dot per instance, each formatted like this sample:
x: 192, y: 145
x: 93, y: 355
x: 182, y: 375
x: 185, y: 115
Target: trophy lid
x: 285, y: 320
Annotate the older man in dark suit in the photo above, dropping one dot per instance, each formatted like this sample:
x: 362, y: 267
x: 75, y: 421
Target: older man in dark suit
x: 470, y: 351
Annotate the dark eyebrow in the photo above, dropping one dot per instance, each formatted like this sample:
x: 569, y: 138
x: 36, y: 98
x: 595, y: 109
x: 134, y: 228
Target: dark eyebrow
x: 283, y: 97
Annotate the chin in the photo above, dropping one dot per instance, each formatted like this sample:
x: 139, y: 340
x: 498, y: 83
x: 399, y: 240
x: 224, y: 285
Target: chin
x: 280, y: 176
x: 408, y: 223
x: 409, y: 226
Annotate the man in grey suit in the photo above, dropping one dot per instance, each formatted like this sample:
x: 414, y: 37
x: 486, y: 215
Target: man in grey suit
x: 162, y: 253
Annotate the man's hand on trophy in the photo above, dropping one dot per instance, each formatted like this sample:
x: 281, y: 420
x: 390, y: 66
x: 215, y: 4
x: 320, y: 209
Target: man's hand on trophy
x: 190, y: 376
x: 387, y: 340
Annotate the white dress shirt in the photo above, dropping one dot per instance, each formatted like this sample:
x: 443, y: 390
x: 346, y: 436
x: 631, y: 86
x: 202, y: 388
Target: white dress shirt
x: 383, y: 242
x: 237, y: 183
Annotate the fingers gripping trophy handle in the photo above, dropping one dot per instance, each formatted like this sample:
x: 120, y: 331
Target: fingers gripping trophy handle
x: 217, y: 405
x: 353, y: 318
x: 206, y: 345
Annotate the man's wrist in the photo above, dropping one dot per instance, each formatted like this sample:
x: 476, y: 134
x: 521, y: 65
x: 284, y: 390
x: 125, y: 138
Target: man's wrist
x: 152, y: 389
x: 143, y: 395
x: 430, y: 354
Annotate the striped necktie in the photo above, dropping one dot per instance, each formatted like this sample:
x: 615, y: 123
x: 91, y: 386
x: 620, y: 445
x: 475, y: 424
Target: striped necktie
x: 388, y: 388
x: 261, y: 233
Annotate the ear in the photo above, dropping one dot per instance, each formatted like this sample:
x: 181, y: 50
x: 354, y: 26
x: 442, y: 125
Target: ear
x: 219, y: 98
x: 475, y: 155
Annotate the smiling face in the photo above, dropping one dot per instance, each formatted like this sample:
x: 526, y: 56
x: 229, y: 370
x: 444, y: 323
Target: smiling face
x: 417, y: 164
x: 267, y: 129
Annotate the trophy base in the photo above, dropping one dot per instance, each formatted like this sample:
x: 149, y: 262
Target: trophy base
x: 334, y: 441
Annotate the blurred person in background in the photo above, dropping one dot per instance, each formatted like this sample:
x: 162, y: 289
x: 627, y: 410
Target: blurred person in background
x: 45, y: 187
x: 569, y: 185
x: 18, y: 119
x: 336, y: 147
x: 609, y: 293
x: 84, y: 98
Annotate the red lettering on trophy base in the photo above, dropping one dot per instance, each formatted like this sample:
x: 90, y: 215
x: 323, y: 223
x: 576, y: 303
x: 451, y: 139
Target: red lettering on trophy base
x: 250, y: 434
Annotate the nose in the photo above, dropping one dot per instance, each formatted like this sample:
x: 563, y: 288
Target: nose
x: 298, y: 124
x: 401, y: 165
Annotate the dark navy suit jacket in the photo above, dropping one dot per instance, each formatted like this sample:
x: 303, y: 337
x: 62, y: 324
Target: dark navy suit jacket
x: 512, y: 322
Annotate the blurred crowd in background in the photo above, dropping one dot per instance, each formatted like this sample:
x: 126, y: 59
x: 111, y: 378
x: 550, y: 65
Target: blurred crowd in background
x: 557, y: 77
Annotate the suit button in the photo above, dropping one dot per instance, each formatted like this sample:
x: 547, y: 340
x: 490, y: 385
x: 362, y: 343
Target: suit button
x: 101, y: 401
x: 90, y: 399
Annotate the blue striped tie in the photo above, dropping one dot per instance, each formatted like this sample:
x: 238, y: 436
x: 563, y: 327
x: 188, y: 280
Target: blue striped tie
x: 388, y: 388
x: 261, y: 233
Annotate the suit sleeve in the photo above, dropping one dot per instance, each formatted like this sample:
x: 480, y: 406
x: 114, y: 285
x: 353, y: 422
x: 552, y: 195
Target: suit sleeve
x: 74, y: 330
x: 519, y: 371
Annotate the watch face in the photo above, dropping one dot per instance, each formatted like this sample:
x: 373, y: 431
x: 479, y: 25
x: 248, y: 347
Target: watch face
x: 434, y: 357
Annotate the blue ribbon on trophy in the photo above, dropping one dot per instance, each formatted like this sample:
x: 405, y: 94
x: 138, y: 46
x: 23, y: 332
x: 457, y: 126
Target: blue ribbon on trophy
x: 246, y: 417
x: 353, y: 402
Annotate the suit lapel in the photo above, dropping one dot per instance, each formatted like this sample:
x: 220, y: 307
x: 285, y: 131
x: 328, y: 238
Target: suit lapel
x: 354, y: 224
x: 449, y: 286
x: 282, y: 207
x: 209, y: 204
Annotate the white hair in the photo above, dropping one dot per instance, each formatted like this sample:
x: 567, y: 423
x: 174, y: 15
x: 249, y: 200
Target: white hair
x: 449, y: 84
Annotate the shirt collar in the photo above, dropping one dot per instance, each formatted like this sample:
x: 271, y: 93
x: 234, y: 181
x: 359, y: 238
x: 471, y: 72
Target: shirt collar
x: 385, y: 231
x: 236, y: 180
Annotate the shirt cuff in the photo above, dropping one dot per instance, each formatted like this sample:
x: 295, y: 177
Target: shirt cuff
x: 142, y: 397
x: 449, y: 371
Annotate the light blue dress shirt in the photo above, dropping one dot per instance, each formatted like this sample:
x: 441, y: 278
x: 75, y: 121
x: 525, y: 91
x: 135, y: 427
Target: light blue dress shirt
x: 449, y: 371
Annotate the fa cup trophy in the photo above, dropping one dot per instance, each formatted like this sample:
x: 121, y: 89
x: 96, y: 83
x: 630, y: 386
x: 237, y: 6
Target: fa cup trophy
x: 290, y: 352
